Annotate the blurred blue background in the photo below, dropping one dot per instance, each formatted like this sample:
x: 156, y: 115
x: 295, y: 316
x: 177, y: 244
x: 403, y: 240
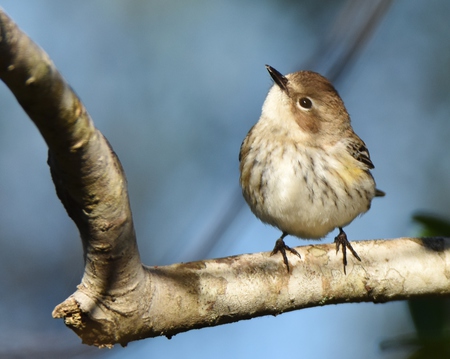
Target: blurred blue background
x: 175, y: 86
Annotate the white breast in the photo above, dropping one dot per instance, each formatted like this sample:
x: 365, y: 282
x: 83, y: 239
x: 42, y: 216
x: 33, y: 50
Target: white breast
x: 306, y: 192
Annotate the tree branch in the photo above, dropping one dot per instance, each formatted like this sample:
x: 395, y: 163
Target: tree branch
x: 120, y: 300
x: 182, y: 297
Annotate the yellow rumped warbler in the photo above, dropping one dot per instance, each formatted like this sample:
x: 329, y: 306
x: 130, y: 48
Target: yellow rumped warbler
x: 303, y: 168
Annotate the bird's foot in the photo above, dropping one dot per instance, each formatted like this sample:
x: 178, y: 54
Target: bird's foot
x: 342, y: 239
x: 281, y: 247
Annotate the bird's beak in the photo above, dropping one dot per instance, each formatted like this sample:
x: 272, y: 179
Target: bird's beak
x: 279, y: 79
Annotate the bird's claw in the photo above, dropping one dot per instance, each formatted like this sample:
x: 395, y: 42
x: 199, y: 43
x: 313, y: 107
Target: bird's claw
x: 281, y: 247
x: 341, y: 238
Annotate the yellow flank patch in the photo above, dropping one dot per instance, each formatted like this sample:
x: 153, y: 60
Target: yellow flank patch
x: 349, y: 172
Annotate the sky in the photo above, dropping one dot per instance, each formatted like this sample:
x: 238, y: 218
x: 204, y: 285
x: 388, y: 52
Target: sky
x: 175, y: 86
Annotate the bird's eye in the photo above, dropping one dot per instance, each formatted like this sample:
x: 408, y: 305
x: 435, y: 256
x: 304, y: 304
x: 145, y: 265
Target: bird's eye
x: 305, y: 102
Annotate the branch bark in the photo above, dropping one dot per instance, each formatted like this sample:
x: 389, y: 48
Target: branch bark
x: 120, y: 300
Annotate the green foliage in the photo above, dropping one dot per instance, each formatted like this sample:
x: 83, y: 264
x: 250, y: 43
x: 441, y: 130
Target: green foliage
x: 431, y: 316
x: 432, y: 226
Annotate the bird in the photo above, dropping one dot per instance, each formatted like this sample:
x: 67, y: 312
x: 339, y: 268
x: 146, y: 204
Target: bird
x: 303, y: 169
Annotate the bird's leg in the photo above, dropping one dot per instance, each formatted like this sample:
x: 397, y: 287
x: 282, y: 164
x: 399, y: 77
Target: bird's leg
x: 342, y: 239
x: 281, y: 247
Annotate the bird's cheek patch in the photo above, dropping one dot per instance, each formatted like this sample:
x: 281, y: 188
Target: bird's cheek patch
x: 307, y: 122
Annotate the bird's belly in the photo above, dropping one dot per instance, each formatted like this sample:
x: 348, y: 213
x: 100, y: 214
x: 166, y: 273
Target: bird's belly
x: 310, y: 195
